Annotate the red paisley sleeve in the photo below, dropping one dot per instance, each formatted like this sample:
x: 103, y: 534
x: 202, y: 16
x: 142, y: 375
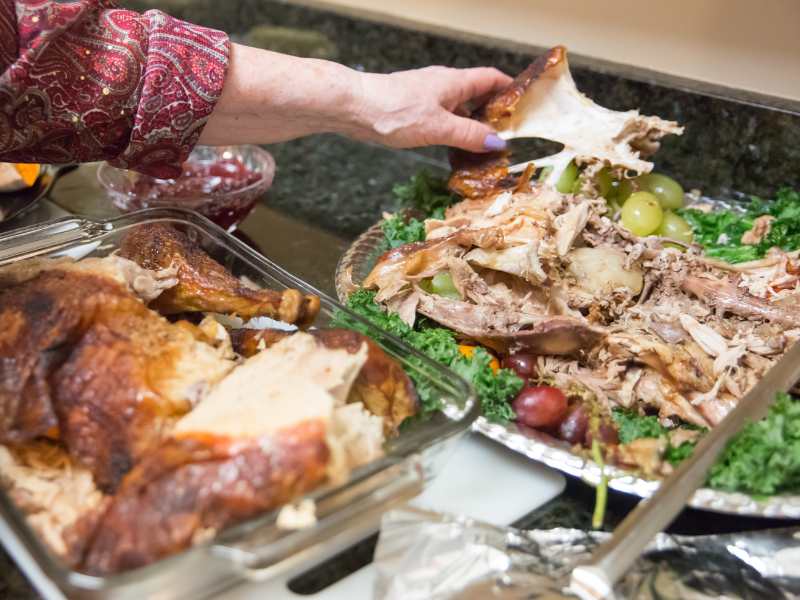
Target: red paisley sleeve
x: 83, y: 81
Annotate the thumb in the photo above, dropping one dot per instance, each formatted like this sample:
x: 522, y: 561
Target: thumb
x: 468, y: 134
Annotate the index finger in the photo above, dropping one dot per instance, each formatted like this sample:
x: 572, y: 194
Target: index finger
x: 477, y: 83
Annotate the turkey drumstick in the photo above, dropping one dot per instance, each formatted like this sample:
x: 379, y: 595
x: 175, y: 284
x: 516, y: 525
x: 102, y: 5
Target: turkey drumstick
x: 204, y: 284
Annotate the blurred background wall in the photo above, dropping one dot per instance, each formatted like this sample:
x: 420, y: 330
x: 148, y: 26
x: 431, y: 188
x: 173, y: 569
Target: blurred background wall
x: 749, y: 44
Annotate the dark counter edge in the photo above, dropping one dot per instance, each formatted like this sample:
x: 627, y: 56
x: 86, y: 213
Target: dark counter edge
x: 600, y: 66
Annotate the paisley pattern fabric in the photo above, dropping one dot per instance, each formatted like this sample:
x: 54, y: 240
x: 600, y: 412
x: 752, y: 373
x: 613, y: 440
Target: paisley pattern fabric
x: 85, y: 81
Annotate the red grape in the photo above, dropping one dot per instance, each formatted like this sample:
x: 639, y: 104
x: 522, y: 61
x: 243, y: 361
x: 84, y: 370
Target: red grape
x: 524, y: 365
x: 540, y: 406
x: 574, y: 426
x: 606, y: 433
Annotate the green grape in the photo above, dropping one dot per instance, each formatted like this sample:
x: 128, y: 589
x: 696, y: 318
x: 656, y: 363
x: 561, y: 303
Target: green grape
x: 625, y: 189
x: 668, y: 191
x: 613, y: 207
x: 442, y: 285
x: 677, y: 247
x: 568, y: 177
x: 544, y: 173
x: 605, y: 183
x: 641, y: 213
x: 675, y: 228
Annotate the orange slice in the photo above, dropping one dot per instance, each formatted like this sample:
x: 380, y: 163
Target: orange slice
x: 28, y: 172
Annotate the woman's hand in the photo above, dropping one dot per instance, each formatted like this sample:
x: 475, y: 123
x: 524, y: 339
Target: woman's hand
x: 270, y: 97
x: 421, y: 108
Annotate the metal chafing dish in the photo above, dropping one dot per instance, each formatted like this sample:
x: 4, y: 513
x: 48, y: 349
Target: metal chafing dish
x: 256, y: 549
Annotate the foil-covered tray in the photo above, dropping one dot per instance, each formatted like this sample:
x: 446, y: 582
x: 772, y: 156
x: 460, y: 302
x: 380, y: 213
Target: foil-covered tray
x: 356, y: 263
x: 424, y: 555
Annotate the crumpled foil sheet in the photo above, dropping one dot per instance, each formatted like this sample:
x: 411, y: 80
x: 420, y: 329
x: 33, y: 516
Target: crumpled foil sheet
x: 428, y: 556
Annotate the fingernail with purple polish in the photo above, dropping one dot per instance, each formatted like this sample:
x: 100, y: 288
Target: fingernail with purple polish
x: 494, y: 143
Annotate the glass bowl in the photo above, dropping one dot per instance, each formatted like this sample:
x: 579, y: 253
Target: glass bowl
x: 222, y: 183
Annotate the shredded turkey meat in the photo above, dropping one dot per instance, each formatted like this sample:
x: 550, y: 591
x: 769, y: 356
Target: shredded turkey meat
x: 633, y: 322
x: 642, y: 325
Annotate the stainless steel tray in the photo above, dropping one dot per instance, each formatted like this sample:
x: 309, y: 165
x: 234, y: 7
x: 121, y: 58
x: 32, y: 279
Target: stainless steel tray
x: 255, y: 550
x: 355, y: 265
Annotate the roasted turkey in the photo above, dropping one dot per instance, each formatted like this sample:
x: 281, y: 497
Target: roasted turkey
x: 84, y: 361
x: 615, y: 319
x: 205, y: 285
x: 126, y: 436
x: 254, y: 443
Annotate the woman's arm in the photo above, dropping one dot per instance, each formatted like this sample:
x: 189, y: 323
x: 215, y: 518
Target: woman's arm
x: 80, y: 81
x: 270, y: 97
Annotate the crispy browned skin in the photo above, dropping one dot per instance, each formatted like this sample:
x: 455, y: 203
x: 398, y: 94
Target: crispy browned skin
x: 39, y: 320
x: 479, y: 175
x: 382, y: 385
x: 504, y: 103
x: 249, y: 342
x: 108, y: 410
x: 204, y: 284
x: 83, y: 359
x: 194, y: 486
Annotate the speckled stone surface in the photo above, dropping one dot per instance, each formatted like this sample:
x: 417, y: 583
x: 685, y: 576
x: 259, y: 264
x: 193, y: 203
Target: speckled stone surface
x: 342, y: 187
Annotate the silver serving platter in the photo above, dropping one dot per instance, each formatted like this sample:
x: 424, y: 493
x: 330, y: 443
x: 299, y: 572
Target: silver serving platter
x: 356, y: 263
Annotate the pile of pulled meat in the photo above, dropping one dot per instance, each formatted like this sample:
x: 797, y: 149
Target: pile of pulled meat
x: 614, y: 321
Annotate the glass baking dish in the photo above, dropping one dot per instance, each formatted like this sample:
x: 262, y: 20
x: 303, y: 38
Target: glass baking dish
x: 256, y: 549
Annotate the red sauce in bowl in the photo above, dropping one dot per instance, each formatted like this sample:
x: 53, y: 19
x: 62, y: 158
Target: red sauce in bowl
x: 199, y: 179
x: 224, y: 190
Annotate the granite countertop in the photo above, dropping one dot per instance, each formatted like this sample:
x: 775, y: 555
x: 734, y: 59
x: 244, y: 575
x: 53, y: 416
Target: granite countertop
x: 734, y: 142
x: 329, y: 189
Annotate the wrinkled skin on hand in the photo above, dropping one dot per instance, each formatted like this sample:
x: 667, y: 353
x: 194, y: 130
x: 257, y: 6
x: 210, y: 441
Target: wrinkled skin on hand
x: 419, y: 107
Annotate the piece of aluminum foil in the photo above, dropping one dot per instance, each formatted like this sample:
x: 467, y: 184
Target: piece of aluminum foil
x: 429, y: 556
